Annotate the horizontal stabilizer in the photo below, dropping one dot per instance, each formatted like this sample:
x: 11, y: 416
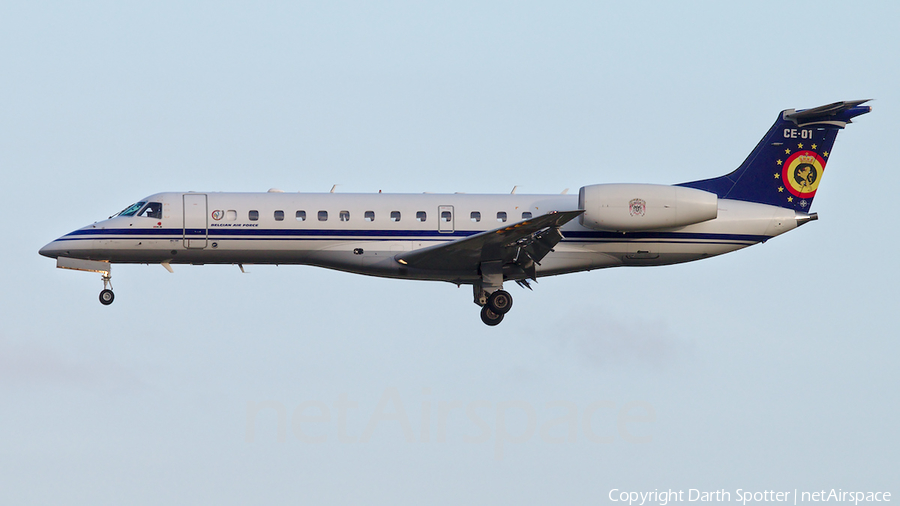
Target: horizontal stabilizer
x: 838, y: 113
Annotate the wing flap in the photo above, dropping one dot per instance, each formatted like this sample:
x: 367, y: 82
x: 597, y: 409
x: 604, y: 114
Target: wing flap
x: 533, y: 238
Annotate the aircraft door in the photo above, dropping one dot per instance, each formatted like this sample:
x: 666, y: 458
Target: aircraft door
x: 195, y: 224
x: 445, y: 219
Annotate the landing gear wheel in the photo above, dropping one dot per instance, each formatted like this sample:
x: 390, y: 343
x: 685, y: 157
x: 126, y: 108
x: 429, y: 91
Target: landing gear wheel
x: 107, y: 297
x: 489, y: 317
x: 500, y: 302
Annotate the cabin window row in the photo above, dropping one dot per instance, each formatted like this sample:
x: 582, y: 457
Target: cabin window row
x: 421, y: 216
x: 502, y: 217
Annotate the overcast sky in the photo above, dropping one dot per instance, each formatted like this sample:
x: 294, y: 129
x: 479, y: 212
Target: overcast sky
x: 770, y: 368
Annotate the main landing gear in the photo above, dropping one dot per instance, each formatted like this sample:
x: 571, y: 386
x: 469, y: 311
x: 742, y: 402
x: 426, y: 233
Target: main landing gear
x: 489, y: 317
x: 107, y: 296
x: 494, y: 306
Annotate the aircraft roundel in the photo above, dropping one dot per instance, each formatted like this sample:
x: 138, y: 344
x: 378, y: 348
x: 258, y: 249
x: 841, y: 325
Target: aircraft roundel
x: 802, y: 173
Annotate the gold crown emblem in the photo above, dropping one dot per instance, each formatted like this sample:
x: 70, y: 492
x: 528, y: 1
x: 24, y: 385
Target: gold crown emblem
x: 807, y: 159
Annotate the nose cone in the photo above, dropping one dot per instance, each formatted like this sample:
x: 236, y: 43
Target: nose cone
x: 51, y: 250
x: 75, y: 244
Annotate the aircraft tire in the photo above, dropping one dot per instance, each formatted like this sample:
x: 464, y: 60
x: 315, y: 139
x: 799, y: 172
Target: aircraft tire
x: 107, y: 297
x: 489, y: 317
x: 500, y: 302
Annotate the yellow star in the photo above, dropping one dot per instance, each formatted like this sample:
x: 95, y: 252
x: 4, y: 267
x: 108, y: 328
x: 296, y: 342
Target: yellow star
x: 778, y: 162
x: 777, y: 175
x: 825, y: 153
x: 790, y: 199
x: 814, y: 146
x: 780, y: 189
x: 787, y: 151
x: 800, y: 145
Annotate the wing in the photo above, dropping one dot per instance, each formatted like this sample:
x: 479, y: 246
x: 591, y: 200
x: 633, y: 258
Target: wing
x: 523, y: 243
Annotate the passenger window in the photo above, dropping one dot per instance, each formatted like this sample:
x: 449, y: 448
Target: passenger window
x: 279, y: 215
x: 254, y: 215
x: 231, y: 215
x: 301, y: 215
x: 370, y: 216
x: 344, y: 215
x: 526, y: 215
x: 395, y: 215
x: 323, y: 215
x: 153, y: 210
x: 475, y: 216
x: 420, y: 216
x: 445, y: 216
x: 501, y: 216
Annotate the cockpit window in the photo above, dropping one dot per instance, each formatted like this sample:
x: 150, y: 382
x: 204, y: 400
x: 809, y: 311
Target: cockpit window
x: 130, y: 210
x: 153, y: 210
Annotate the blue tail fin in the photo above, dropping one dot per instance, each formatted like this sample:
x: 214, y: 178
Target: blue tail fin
x: 786, y: 166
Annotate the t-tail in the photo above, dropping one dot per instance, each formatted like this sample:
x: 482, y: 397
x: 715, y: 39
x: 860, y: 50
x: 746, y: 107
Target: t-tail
x: 786, y: 166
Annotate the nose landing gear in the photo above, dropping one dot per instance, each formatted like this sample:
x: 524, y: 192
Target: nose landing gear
x: 103, y: 268
x: 107, y: 296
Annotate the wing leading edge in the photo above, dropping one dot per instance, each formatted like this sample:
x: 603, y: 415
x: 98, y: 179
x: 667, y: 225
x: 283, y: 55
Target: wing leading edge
x: 524, y: 243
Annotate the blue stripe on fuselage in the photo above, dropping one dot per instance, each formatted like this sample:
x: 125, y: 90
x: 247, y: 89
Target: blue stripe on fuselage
x: 380, y: 235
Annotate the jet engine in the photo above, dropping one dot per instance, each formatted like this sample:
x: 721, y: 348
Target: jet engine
x: 635, y: 207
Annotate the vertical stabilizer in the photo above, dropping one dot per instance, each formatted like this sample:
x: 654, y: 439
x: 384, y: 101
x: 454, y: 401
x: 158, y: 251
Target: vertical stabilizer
x: 787, y: 165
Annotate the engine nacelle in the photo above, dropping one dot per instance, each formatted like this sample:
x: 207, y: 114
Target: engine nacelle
x: 634, y: 207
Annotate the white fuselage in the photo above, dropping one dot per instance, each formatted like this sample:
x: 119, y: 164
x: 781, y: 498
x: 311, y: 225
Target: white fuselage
x: 363, y: 232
